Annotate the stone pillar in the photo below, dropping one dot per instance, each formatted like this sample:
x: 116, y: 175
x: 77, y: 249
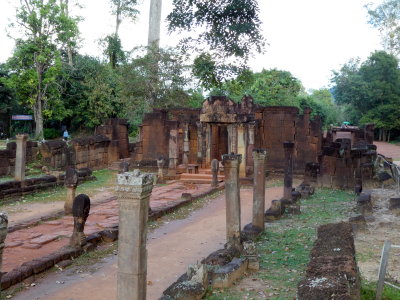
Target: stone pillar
x: 214, y: 171
x: 134, y: 190
x: 173, y: 151
x: 288, y: 180
x: 186, y: 144
x: 80, y: 212
x: 233, y: 138
x: 70, y: 182
x: 160, y: 166
x: 260, y: 159
x: 231, y: 164
x: 20, y: 158
x: 3, y: 235
x: 199, y: 143
x: 242, y: 149
x: 208, y: 144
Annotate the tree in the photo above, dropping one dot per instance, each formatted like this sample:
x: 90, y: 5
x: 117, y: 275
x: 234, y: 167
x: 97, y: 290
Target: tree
x: 372, y: 89
x: 72, y: 34
x: 268, y: 87
x: 91, y: 93
x: 138, y: 92
x: 112, y: 43
x: 220, y: 31
x: 386, y: 18
x: 36, y: 61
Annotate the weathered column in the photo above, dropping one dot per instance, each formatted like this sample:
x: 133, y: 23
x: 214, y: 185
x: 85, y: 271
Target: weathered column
x: 208, y: 144
x: 242, y: 148
x: 70, y: 182
x: 260, y: 159
x: 173, y: 151
x: 134, y: 190
x: 214, y: 171
x: 199, y: 143
x: 231, y: 164
x: 288, y: 180
x: 20, y: 158
x: 160, y: 166
x: 3, y: 235
x: 233, y: 138
x: 186, y: 144
x: 80, y: 212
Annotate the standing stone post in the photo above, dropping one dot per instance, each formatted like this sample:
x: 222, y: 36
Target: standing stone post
x: 260, y: 159
x: 80, y: 212
x: 186, y: 144
x: 173, y: 151
x: 3, y: 235
x: 134, y: 190
x: 231, y: 164
x: 71, y: 182
x: 214, y: 171
x: 199, y: 142
x: 288, y: 179
x: 20, y: 158
x: 160, y: 166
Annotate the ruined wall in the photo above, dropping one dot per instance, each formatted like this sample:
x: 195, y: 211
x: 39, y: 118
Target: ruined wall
x: 116, y: 130
x: 332, y: 272
x: 7, y: 157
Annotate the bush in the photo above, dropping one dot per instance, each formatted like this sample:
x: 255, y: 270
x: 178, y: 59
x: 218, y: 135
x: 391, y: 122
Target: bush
x: 51, y: 133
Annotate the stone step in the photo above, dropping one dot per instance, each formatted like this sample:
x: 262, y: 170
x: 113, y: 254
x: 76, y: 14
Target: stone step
x: 199, y: 178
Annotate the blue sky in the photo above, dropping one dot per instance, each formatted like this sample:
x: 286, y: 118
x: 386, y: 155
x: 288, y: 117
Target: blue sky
x: 309, y: 38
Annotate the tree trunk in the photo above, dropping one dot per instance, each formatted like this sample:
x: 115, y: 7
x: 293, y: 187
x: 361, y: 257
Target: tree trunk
x: 388, y: 136
x: 37, y: 112
x: 154, y: 23
x: 384, y: 135
x: 69, y: 47
x: 154, y: 46
x: 380, y: 135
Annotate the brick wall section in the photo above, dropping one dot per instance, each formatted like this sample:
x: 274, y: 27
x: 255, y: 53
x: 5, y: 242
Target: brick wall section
x: 332, y: 272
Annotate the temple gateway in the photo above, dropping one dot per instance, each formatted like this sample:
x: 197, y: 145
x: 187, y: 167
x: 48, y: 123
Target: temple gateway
x: 197, y: 136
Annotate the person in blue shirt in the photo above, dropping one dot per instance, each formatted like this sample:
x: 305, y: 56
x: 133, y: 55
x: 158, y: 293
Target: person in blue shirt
x: 65, y: 135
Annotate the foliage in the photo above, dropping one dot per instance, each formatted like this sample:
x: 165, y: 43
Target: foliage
x: 51, y: 133
x: 36, y: 62
x: 142, y: 84
x: 268, y: 87
x: 371, y: 90
x: 91, y: 91
x: 113, y: 50
x: 219, y: 30
x: 386, y: 18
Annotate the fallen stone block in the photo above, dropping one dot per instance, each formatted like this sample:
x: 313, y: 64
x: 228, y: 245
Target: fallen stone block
x: 223, y: 277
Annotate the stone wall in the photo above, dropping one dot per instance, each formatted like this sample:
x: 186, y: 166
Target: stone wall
x: 222, y: 126
x: 7, y: 157
x: 332, y: 272
x: 116, y: 130
x: 15, y: 188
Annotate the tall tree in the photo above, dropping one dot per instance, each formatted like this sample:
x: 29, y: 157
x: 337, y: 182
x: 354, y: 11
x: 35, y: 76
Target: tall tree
x: 372, y: 89
x: 386, y: 18
x: 219, y: 31
x: 113, y: 47
x: 36, y: 62
x: 154, y: 23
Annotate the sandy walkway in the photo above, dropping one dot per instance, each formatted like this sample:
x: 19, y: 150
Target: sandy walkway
x: 171, y: 248
x: 388, y: 150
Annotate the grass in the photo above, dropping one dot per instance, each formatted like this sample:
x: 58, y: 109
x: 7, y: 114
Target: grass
x: 285, y: 246
x: 86, y: 260
x: 105, y: 179
x: 368, y: 290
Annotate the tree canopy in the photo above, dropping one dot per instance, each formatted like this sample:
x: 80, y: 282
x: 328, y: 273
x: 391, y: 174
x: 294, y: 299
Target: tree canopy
x: 219, y: 31
x: 371, y: 89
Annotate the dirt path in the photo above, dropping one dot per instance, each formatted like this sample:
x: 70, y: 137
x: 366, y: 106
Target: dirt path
x: 388, y: 150
x: 171, y: 248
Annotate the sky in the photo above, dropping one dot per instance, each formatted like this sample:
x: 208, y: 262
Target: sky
x: 308, y: 38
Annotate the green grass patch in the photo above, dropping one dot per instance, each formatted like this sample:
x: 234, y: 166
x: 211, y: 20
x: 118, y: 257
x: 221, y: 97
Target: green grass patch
x: 105, y: 179
x: 86, y: 260
x: 284, y: 247
x: 368, y: 292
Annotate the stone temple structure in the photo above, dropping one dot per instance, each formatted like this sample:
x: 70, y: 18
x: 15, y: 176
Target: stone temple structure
x: 221, y: 126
